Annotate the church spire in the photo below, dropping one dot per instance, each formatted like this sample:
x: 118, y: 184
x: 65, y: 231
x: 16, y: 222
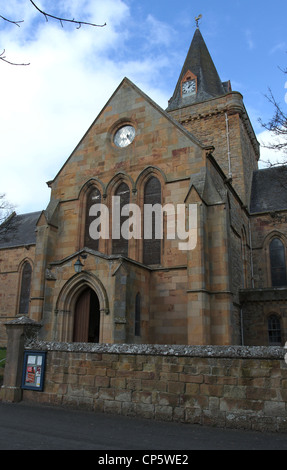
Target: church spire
x: 199, y: 80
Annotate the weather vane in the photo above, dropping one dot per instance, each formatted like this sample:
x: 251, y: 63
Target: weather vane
x: 197, y: 20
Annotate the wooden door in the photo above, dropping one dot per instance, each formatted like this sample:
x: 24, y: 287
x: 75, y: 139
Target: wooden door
x: 87, y: 318
x: 82, y: 317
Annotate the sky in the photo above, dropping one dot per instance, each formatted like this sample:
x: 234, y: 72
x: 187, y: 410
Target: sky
x: 47, y: 106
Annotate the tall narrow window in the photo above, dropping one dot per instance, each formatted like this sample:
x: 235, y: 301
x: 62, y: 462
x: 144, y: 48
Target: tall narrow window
x: 94, y: 197
x: 138, y: 315
x: 277, y: 263
x: 152, y: 246
x: 25, y: 289
x: 274, y: 330
x: 120, y: 242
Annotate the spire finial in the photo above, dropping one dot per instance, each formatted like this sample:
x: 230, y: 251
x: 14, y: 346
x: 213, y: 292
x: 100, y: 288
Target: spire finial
x: 197, y: 20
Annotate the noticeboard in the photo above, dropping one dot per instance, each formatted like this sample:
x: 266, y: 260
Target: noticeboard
x: 33, y: 370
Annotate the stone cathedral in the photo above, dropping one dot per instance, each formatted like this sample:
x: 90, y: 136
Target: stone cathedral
x: 200, y: 152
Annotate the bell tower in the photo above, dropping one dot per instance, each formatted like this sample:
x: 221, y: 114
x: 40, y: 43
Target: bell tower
x: 216, y: 115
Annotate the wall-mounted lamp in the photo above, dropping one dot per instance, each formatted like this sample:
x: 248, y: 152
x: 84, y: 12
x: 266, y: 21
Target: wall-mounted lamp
x: 78, y: 266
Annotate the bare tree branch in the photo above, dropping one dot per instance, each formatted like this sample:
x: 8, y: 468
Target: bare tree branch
x: 5, y: 208
x: 277, y: 125
x: 8, y: 221
x: 10, y: 21
x: 3, y: 57
x: 58, y: 18
x: 47, y: 16
x: 61, y: 20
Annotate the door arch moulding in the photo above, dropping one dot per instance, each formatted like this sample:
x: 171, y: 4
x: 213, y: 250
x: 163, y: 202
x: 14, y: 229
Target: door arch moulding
x: 65, y: 305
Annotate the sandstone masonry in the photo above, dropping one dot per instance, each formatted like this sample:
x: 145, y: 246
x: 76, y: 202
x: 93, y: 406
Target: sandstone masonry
x: 236, y: 387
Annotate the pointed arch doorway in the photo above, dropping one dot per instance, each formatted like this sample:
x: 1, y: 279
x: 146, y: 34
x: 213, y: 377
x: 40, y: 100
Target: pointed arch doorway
x: 87, y: 317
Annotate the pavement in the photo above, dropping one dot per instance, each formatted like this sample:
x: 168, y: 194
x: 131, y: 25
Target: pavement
x: 25, y: 426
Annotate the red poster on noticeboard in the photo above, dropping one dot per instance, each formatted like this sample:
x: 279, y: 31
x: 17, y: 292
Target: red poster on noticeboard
x: 33, y: 370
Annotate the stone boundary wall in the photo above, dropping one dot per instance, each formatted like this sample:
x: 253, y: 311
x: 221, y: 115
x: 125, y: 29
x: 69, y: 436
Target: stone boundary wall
x: 236, y: 387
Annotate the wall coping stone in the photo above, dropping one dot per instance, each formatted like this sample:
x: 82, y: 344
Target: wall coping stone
x: 264, y: 294
x: 24, y: 320
x: 236, y: 352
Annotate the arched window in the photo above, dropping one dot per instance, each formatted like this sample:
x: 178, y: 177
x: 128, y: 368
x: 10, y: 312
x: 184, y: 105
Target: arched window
x: 152, y: 245
x: 274, y: 330
x: 277, y: 263
x: 120, y: 242
x: 94, y: 197
x: 25, y: 289
x: 138, y: 315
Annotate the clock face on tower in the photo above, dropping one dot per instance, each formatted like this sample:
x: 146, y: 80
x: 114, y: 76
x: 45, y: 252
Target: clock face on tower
x: 124, y: 136
x: 188, y: 87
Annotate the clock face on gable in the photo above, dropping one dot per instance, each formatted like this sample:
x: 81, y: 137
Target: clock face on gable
x: 124, y: 136
x: 189, y: 87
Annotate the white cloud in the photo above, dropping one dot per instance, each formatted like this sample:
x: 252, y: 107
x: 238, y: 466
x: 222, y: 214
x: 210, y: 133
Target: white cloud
x: 281, y: 47
x: 47, y: 106
x: 249, y: 39
x: 159, y: 32
x: 270, y: 156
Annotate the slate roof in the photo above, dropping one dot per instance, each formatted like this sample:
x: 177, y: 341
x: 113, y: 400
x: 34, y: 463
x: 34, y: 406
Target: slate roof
x: 19, y: 230
x: 200, y: 63
x: 269, y: 190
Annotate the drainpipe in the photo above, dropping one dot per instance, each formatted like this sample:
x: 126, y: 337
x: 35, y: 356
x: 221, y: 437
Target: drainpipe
x: 228, y: 147
x: 242, y: 327
x: 251, y: 256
